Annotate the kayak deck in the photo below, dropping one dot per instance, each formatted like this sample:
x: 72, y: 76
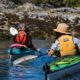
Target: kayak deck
x: 64, y: 62
x: 64, y: 67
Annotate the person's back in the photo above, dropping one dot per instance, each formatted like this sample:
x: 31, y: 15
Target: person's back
x: 65, y: 43
x: 21, y: 38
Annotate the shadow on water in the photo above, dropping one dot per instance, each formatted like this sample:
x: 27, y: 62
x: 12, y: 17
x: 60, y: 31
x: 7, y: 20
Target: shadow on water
x: 42, y: 43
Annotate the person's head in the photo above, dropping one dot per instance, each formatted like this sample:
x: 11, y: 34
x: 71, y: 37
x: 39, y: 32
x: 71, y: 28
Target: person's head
x: 62, y: 29
x: 21, y: 27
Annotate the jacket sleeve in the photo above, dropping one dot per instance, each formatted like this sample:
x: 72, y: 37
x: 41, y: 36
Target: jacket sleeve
x: 14, y: 39
x: 30, y: 45
x: 77, y: 43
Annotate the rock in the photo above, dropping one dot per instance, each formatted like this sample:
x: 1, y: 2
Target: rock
x: 40, y: 21
x: 27, y: 7
x: 38, y: 15
x: 72, y: 10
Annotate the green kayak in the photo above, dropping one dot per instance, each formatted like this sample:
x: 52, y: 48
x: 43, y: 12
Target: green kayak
x: 62, y: 67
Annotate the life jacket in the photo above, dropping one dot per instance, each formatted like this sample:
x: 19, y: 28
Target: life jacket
x: 67, y: 46
x: 21, y: 38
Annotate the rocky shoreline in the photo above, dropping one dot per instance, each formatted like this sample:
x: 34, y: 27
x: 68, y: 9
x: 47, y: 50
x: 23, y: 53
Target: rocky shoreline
x: 40, y: 21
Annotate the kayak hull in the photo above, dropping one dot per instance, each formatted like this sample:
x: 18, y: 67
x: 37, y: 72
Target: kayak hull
x: 23, y: 59
x: 63, y: 67
x: 15, y: 57
x: 20, y: 51
x: 16, y: 53
x: 64, y: 72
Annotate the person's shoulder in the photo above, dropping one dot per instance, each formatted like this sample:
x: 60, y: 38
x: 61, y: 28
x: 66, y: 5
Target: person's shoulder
x: 76, y: 39
x: 56, y: 41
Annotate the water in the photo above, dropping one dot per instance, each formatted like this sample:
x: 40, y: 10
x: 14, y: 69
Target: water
x: 30, y: 70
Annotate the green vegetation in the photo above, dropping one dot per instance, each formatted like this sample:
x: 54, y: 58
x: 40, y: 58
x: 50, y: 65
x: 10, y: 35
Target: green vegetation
x: 77, y: 35
x: 72, y: 3
x: 65, y: 3
x: 56, y: 3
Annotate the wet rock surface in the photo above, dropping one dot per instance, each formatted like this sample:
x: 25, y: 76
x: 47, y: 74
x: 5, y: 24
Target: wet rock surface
x: 38, y: 20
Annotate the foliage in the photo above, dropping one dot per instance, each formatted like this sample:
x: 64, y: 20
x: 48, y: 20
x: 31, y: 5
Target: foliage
x: 67, y: 3
x: 77, y: 35
x: 72, y: 3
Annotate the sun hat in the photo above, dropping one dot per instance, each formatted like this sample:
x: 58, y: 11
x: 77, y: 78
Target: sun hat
x: 62, y: 28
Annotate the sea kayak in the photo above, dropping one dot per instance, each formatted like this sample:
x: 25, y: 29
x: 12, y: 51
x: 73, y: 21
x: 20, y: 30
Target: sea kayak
x: 19, y: 54
x: 63, y: 67
x: 20, y: 51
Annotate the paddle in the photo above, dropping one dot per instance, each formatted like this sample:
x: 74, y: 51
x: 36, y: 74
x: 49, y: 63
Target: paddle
x: 27, y: 58
x: 13, y: 31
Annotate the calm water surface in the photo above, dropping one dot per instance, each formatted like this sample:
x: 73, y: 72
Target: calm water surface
x: 27, y: 71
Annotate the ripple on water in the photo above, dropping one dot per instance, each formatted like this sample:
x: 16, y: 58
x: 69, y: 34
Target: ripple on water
x: 25, y: 72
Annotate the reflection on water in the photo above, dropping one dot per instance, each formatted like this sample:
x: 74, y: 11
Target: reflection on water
x: 38, y: 43
x: 8, y: 72
x: 29, y: 73
x: 42, y: 43
x: 4, y: 69
x: 26, y: 72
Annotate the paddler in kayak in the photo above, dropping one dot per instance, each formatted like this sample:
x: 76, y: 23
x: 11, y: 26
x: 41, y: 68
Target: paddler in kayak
x: 22, y: 46
x: 23, y: 37
x: 65, y: 43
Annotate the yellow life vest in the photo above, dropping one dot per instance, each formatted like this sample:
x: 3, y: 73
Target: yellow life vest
x: 67, y: 46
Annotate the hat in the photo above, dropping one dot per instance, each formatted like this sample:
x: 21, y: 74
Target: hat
x: 62, y: 28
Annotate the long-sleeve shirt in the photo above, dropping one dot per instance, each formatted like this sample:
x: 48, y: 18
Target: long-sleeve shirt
x: 56, y: 46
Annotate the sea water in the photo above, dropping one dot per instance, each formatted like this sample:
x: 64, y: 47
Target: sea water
x: 29, y: 70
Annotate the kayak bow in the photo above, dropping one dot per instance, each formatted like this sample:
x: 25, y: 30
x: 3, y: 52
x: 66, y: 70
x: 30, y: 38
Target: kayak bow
x: 62, y: 67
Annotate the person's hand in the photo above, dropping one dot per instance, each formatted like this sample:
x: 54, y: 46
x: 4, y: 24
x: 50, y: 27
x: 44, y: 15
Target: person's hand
x: 38, y: 50
x: 50, y: 52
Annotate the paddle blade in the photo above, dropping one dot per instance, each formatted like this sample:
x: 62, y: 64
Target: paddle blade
x: 25, y: 58
x: 13, y: 31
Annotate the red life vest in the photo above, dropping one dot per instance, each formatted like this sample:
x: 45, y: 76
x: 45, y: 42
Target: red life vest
x: 21, y: 38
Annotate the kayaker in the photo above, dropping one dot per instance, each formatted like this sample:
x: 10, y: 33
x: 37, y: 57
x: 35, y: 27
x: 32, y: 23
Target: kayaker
x: 65, y: 43
x: 23, y: 37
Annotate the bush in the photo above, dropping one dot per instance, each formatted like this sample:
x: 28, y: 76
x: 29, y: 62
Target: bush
x: 67, y: 3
